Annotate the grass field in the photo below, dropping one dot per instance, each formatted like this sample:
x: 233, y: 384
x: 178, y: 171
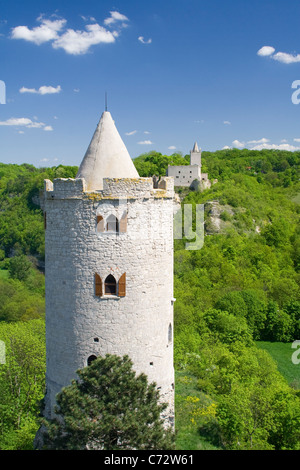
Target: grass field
x: 282, y: 355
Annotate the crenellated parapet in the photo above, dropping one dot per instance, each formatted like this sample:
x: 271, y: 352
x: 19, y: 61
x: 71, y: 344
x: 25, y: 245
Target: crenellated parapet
x: 113, y: 188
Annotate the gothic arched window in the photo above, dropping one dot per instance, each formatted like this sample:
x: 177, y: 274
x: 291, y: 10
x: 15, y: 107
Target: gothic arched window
x: 91, y: 359
x: 110, y: 285
x: 112, y: 224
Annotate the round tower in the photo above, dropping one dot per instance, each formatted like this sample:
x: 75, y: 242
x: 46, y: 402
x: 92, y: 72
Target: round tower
x: 109, y: 267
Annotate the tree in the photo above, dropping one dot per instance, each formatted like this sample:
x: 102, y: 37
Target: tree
x: 108, y: 408
x: 19, y: 267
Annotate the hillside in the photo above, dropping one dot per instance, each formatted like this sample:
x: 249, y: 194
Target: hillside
x: 240, y: 288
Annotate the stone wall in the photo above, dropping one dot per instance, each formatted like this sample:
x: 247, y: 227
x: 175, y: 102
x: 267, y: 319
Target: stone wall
x: 184, y: 175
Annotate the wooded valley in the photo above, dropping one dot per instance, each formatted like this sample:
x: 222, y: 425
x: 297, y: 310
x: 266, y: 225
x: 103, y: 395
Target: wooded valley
x: 237, y: 309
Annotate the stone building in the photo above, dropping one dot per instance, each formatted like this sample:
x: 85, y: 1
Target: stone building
x: 109, y: 268
x: 188, y: 175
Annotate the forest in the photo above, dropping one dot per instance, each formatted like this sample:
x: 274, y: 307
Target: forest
x: 237, y: 309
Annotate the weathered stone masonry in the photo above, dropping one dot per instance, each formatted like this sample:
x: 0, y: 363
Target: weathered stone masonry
x: 80, y: 324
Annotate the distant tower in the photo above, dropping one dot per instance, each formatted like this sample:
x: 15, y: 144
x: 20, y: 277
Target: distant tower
x: 109, y: 267
x: 195, y: 158
x: 190, y: 175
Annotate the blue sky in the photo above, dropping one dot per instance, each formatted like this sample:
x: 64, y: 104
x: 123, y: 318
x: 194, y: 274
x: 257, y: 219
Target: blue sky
x: 175, y: 71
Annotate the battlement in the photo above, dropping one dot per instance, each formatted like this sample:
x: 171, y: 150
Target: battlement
x: 131, y: 188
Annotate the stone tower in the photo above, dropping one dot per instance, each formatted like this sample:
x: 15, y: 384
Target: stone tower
x: 195, y: 156
x: 109, y: 267
x: 190, y: 175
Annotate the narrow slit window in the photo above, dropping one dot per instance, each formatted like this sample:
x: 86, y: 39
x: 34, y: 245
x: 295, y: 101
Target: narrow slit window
x: 110, y: 285
x: 170, y: 334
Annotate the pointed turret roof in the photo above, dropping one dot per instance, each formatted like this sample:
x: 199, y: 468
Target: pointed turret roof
x: 106, y: 156
x: 195, y: 149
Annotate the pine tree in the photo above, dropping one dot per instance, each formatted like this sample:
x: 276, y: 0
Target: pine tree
x: 109, y: 407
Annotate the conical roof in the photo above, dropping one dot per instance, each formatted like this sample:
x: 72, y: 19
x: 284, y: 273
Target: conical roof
x: 106, y: 156
x: 195, y: 149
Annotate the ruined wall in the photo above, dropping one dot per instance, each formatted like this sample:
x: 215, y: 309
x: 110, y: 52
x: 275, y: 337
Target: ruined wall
x: 184, y: 175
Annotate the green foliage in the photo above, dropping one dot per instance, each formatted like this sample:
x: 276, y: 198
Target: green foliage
x: 243, y: 285
x: 19, y: 267
x: 21, y: 222
x: 282, y: 356
x: 109, y: 408
x: 22, y: 382
x: 196, y: 425
x: 19, y: 303
x: 227, y: 328
x: 256, y: 417
x: 154, y: 163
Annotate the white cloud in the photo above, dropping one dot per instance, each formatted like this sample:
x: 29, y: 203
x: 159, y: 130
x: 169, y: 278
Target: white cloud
x: 143, y: 41
x: 238, y: 144
x: 147, y: 132
x: 282, y: 57
x: 25, y: 122
x: 227, y: 122
x: 261, y: 141
x: 40, y: 34
x: 266, y: 51
x: 43, y: 90
x: 114, y: 17
x: 49, y: 90
x: 76, y: 90
x: 16, y: 122
x: 286, y: 58
x: 130, y: 133
x: 88, y: 18
x: 288, y: 147
x: 264, y: 144
x: 225, y: 147
x: 36, y: 125
x: 28, y: 90
x: 79, y: 42
x: 72, y: 41
x: 145, y: 142
x: 172, y: 147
